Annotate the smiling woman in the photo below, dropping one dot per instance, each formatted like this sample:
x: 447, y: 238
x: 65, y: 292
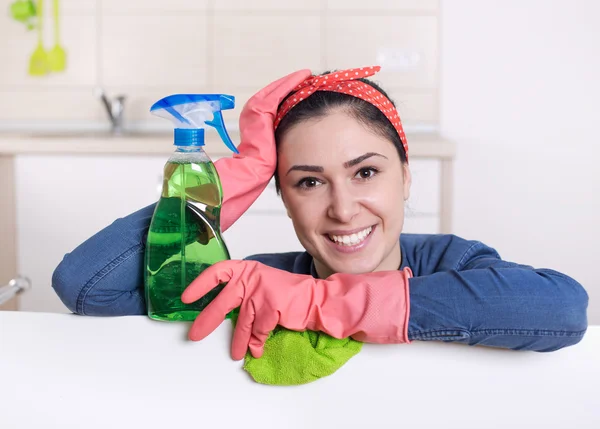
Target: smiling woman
x: 340, y: 157
x: 348, y: 212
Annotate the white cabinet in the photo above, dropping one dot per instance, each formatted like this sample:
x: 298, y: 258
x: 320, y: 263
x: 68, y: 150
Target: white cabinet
x: 261, y: 233
x: 64, y: 199
x: 422, y: 213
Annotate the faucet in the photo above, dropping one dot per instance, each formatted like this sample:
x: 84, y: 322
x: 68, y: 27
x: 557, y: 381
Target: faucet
x: 13, y: 288
x: 114, y: 108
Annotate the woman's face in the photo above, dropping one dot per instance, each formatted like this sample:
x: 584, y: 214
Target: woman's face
x: 344, y: 188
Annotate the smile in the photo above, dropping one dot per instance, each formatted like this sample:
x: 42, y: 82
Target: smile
x: 351, y: 239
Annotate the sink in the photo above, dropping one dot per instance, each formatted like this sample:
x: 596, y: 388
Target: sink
x: 94, y: 135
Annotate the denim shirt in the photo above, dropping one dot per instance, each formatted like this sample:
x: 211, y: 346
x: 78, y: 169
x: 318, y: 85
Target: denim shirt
x: 462, y: 291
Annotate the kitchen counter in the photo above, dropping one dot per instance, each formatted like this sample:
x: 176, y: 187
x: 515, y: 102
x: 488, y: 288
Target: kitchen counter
x: 421, y: 145
x: 66, y: 371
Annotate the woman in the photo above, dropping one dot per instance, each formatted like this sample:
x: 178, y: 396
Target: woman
x: 340, y: 157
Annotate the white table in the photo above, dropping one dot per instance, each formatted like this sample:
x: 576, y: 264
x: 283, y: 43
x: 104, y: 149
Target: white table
x: 65, y: 371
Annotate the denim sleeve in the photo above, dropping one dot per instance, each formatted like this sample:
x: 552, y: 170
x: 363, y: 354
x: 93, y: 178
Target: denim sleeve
x: 491, y: 302
x: 104, y: 276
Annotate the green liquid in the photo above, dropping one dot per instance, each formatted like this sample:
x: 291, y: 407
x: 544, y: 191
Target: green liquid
x: 184, y: 239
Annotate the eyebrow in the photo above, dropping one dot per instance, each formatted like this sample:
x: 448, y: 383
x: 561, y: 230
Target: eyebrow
x: 361, y: 158
x: 347, y: 164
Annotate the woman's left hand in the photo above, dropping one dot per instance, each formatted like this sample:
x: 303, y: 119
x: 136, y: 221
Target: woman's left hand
x: 369, y: 307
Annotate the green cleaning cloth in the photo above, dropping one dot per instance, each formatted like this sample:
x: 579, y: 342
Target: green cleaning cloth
x: 292, y: 358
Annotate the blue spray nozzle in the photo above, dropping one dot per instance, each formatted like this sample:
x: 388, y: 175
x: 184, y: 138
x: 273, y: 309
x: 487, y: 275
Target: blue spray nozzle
x: 219, y: 125
x: 194, y: 112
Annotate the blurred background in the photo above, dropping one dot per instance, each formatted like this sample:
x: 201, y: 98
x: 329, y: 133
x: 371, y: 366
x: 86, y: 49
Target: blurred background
x: 499, y: 100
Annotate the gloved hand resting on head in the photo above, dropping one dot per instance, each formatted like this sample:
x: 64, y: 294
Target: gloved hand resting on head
x: 245, y: 175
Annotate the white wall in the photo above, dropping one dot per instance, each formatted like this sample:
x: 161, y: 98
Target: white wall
x: 149, y: 49
x: 520, y: 94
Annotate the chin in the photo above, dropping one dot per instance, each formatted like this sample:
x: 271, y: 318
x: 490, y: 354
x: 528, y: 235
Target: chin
x: 353, y: 267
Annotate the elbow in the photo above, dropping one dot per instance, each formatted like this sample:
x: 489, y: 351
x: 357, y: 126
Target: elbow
x: 572, y: 304
x: 103, y: 276
x: 576, y: 315
x: 65, y: 286
x: 568, y: 312
x: 112, y: 289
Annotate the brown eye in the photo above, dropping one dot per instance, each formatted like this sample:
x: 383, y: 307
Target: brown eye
x: 308, y: 182
x: 366, y: 173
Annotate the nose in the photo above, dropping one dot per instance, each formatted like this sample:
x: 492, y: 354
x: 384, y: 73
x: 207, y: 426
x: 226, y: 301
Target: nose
x: 343, y: 204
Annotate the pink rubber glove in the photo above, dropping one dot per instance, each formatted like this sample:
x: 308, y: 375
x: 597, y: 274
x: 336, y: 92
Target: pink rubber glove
x: 371, y: 307
x: 247, y: 174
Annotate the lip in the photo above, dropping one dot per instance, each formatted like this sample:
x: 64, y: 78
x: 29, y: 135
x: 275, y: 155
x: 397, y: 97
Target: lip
x: 351, y: 249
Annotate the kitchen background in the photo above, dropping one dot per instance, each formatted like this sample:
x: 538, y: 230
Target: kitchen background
x: 511, y: 85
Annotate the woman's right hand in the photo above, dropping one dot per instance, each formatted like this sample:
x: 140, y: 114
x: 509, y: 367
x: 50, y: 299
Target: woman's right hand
x: 245, y: 175
x: 371, y: 307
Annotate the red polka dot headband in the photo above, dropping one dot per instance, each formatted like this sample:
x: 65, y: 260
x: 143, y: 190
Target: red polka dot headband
x: 345, y: 82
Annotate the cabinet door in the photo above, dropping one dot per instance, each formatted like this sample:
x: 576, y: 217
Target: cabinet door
x: 261, y: 233
x: 422, y: 210
x: 62, y: 200
x: 425, y: 189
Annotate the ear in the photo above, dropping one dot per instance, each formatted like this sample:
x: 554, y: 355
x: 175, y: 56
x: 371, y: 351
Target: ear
x: 407, y: 181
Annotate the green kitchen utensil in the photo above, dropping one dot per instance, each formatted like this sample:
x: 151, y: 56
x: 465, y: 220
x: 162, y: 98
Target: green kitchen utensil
x: 57, y: 57
x: 38, y: 63
x: 24, y: 12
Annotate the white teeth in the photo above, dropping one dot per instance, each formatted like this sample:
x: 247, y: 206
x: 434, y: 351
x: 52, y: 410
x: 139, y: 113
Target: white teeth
x: 352, y: 239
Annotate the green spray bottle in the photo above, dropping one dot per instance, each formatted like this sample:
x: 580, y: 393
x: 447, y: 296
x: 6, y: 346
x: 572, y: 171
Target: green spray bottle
x: 184, y: 236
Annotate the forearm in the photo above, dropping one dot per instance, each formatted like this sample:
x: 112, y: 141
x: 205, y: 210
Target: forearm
x: 503, y: 306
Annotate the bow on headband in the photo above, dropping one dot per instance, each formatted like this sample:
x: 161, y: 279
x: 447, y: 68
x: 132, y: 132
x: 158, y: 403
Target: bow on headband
x: 345, y: 82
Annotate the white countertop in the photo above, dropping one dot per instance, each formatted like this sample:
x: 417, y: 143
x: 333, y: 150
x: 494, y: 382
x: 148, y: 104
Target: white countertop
x: 66, y: 371
x: 422, y: 145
